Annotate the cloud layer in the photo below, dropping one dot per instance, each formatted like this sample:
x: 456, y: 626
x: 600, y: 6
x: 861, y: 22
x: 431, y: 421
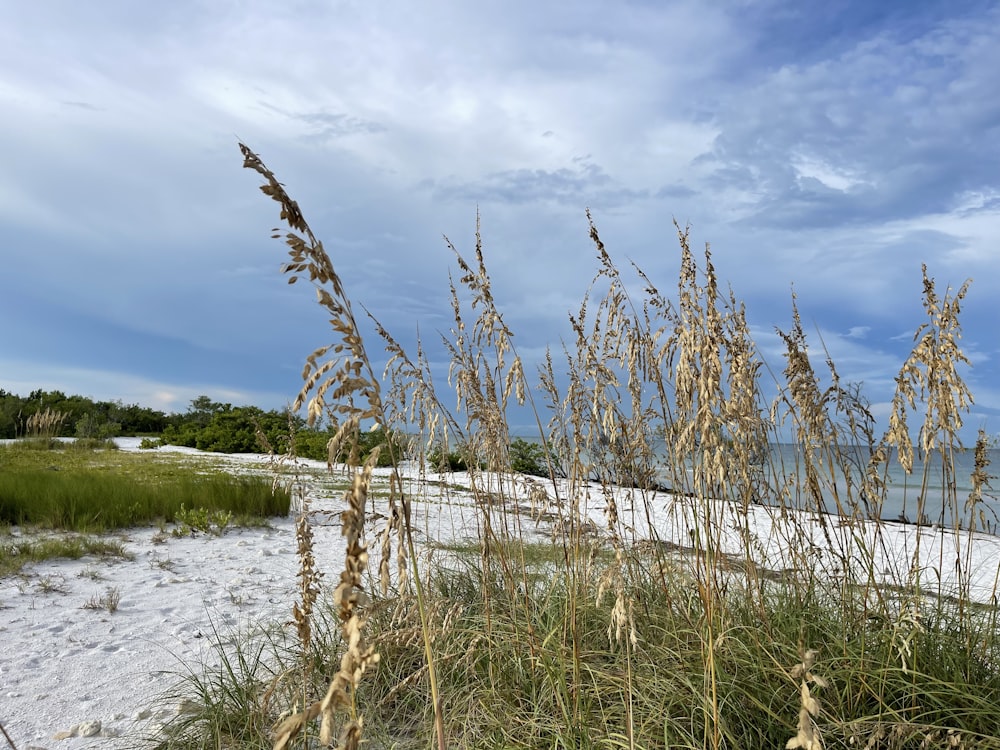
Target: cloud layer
x: 832, y: 148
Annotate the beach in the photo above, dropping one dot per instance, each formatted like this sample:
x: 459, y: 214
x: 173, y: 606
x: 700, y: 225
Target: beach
x: 73, y: 675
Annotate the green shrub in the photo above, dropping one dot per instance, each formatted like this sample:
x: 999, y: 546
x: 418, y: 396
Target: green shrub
x: 528, y: 458
x: 93, y: 427
x: 92, y: 443
x: 207, y: 521
x: 441, y: 459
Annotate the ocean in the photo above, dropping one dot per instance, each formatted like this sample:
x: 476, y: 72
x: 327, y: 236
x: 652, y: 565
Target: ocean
x: 903, y: 490
x: 783, y: 467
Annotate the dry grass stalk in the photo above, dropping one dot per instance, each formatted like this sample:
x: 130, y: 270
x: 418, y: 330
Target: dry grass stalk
x: 309, y: 583
x: 7, y: 737
x: 335, y: 385
x: 807, y: 737
x: 45, y: 423
x: 341, y: 386
x: 930, y: 376
x: 350, y: 600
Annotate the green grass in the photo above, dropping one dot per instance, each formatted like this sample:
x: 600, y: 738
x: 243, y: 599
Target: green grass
x: 16, y: 553
x: 96, y: 491
x: 54, y: 444
x: 532, y: 556
x: 235, y: 703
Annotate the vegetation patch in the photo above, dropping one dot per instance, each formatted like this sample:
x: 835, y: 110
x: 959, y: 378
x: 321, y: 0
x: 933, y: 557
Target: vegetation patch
x: 650, y: 621
x: 97, y: 491
x: 15, y: 553
x: 635, y: 646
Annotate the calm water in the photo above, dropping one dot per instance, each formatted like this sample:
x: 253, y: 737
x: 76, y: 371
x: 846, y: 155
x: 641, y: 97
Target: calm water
x: 903, y: 490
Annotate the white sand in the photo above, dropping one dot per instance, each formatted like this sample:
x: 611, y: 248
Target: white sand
x: 64, y: 667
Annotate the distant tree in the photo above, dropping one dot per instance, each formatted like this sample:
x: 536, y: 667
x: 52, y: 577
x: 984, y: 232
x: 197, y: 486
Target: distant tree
x: 203, y: 409
x: 93, y: 425
x: 137, y: 420
x: 10, y: 406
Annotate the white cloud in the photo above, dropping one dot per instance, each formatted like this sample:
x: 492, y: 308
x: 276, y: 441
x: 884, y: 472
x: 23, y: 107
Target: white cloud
x: 22, y: 378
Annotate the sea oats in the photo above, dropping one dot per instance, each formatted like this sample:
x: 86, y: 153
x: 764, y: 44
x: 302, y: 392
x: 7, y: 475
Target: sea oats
x: 609, y: 633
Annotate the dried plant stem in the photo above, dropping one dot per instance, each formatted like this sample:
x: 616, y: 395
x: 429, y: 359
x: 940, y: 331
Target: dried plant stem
x: 344, y: 378
x: 721, y: 554
x: 7, y: 737
x: 418, y: 586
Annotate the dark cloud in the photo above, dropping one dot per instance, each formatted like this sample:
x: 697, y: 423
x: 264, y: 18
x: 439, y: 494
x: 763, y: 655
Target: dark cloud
x: 330, y: 125
x: 786, y: 31
x: 581, y: 185
x: 675, y: 191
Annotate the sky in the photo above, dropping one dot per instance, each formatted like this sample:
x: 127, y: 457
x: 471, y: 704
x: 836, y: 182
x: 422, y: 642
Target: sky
x: 827, y: 148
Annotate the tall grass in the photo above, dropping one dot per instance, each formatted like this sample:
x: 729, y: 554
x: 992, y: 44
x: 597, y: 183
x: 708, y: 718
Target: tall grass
x: 754, y: 601
x: 73, y: 490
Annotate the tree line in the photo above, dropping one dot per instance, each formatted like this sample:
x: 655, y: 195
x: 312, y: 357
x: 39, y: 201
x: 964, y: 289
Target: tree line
x: 79, y: 416
x: 206, y: 425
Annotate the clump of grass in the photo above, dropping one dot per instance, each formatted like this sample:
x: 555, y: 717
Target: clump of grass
x: 192, y: 520
x: 91, y: 573
x: 52, y: 584
x: 45, y: 423
x: 16, y: 553
x: 234, y: 704
x: 108, y: 601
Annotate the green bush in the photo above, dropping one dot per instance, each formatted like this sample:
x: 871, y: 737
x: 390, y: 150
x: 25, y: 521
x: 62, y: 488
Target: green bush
x: 93, y: 443
x: 528, y: 458
x: 202, y: 519
x: 440, y: 458
x: 92, y: 426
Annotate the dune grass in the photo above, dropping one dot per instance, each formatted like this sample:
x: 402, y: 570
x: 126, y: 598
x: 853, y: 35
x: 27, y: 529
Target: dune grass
x: 16, y: 553
x: 511, y: 677
x: 100, y: 490
x: 755, y: 604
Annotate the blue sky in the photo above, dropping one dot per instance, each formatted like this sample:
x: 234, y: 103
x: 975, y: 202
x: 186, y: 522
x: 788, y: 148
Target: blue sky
x: 832, y: 146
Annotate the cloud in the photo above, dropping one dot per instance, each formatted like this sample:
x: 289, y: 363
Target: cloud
x: 822, y: 141
x: 579, y: 185
x: 833, y: 148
